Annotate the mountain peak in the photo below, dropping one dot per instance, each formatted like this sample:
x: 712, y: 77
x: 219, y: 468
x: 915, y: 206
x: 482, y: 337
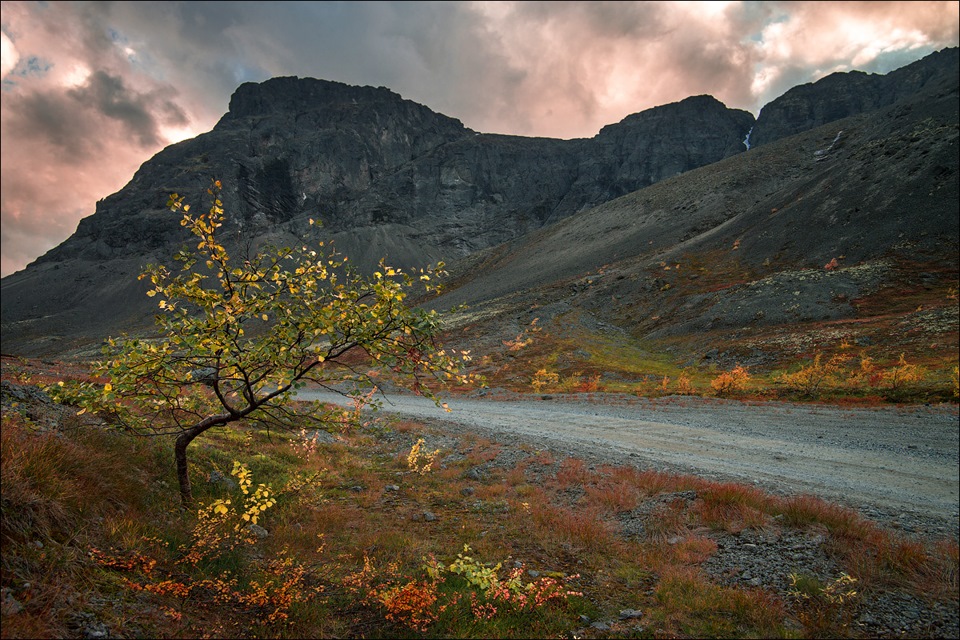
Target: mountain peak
x: 295, y: 94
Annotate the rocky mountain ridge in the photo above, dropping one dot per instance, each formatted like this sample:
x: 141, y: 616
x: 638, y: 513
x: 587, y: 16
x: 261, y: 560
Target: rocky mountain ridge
x: 391, y: 178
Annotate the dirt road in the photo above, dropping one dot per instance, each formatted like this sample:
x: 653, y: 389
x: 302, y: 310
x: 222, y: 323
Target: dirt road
x: 894, y: 464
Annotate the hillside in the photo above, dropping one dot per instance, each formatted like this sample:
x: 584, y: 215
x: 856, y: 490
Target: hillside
x: 845, y: 233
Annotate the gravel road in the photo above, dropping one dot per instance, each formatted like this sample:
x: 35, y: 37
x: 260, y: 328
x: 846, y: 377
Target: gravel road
x: 895, y: 465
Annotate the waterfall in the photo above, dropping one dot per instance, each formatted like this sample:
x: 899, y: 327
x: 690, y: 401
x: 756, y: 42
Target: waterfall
x: 746, y: 141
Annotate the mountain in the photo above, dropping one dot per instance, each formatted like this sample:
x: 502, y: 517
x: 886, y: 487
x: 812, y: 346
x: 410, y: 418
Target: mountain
x: 391, y: 178
x: 849, y: 232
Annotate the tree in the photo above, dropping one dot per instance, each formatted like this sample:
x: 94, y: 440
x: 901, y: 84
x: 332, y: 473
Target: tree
x: 239, y: 337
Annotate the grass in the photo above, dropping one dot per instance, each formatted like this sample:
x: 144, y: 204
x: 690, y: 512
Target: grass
x: 81, y: 487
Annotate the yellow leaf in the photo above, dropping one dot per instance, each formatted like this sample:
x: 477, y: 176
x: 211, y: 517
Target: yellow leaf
x: 108, y: 387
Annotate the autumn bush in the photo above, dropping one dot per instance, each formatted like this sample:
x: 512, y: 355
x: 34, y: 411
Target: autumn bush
x: 817, y: 376
x: 466, y: 587
x: 730, y: 382
x: 544, y: 379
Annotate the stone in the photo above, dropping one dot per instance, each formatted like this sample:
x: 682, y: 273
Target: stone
x: 474, y: 474
x: 258, y: 531
x: 318, y: 435
x: 11, y: 606
x: 218, y: 478
x: 428, y: 516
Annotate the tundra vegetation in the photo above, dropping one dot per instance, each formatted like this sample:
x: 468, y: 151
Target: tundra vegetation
x: 384, y: 529
x: 319, y: 522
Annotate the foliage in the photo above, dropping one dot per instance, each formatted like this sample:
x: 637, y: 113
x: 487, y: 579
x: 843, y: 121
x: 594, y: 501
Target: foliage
x: 543, y: 378
x: 902, y: 374
x: 684, y: 386
x: 278, y: 581
x: 811, y: 379
x: 729, y: 382
x: 824, y: 609
x: 524, y: 338
x: 464, y: 585
x: 223, y: 526
x: 419, y: 461
x: 239, y: 337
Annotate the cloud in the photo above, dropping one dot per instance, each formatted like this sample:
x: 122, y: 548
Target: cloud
x: 140, y: 114
x: 9, y: 56
x: 92, y: 90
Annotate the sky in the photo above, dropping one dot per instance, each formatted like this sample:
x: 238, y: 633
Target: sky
x: 92, y: 90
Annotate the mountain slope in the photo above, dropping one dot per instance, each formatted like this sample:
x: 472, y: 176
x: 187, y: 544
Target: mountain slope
x: 739, y: 248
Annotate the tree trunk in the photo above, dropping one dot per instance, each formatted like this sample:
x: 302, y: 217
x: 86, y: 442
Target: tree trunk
x: 180, y: 453
x: 183, y: 471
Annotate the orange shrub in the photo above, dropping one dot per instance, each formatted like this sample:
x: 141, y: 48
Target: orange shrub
x: 903, y: 374
x: 543, y: 379
x: 813, y: 378
x: 730, y: 382
x: 684, y: 387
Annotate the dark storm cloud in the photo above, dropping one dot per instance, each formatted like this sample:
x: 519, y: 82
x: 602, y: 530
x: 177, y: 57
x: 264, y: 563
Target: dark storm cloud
x: 139, y: 113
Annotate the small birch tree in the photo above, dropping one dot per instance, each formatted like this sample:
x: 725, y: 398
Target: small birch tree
x: 240, y: 337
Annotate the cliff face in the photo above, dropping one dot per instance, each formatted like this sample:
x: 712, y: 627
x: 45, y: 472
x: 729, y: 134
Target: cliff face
x: 359, y: 157
x: 391, y: 179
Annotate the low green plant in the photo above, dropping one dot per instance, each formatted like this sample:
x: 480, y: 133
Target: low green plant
x: 465, y: 587
x: 824, y: 609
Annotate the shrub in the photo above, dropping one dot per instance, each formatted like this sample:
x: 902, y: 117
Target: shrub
x: 730, y: 382
x: 543, y: 379
x: 902, y: 375
x: 811, y: 379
